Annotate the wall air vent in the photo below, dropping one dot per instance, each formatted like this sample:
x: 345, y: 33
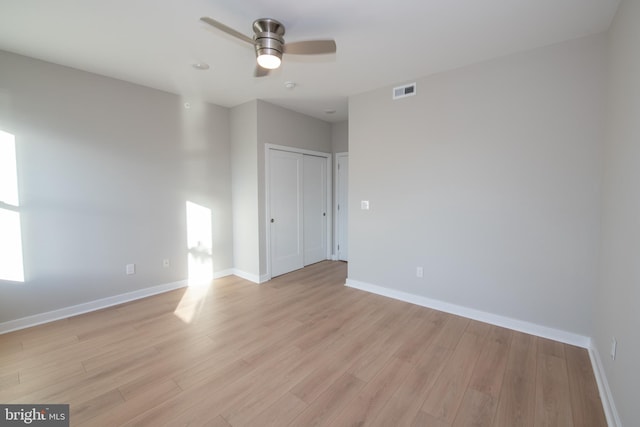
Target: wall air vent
x: 404, y: 91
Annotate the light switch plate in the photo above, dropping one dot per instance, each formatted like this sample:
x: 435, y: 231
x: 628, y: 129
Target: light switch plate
x: 131, y: 269
x: 364, y: 205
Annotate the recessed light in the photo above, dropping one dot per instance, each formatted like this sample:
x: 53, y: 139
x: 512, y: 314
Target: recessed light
x: 200, y: 66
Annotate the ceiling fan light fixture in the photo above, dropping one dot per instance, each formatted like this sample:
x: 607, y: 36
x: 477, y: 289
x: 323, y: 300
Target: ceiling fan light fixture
x: 269, y: 59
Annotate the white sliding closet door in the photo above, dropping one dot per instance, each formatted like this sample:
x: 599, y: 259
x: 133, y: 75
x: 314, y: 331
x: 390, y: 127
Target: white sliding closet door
x: 298, y: 199
x: 315, y: 209
x: 286, y: 211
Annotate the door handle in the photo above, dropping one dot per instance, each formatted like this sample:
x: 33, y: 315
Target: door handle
x: 273, y: 220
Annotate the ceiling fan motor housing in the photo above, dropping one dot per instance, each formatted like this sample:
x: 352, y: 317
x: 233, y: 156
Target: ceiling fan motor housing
x: 268, y: 37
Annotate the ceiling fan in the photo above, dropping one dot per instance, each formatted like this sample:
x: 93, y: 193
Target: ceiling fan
x: 269, y: 43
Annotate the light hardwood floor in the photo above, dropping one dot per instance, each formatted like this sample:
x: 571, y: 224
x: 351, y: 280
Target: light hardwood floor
x: 300, y: 350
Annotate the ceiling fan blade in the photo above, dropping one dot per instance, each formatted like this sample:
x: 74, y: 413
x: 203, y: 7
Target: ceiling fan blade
x: 228, y: 30
x: 260, y: 72
x: 310, y: 47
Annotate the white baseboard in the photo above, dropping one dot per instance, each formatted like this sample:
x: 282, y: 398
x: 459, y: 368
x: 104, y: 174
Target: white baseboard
x: 74, y: 310
x: 223, y: 273
x: 610, y: 411
x: 482, y: 316
x: 247, y: 276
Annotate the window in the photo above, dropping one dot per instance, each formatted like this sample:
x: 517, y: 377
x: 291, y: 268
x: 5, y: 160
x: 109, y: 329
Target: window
x: 11, y: 264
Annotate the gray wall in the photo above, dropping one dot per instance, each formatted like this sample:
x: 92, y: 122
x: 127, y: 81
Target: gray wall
x: 618, y: 294
x: 340, y: 137
x: 244, y: 162
x: 489, y: 178
x: 105, y: 169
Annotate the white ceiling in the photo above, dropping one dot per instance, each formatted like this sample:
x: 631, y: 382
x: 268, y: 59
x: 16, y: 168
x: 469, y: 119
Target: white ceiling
x: 380, y: 43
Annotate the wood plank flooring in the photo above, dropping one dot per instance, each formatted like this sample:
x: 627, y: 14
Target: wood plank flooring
x: 301, y: 350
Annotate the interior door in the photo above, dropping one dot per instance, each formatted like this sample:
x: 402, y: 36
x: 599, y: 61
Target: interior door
x: 285, y: 205
x: 342, y: 185
x: 315, y: 208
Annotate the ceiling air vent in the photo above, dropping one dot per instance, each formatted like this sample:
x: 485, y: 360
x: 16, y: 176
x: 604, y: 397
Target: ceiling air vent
x: 404, y: 91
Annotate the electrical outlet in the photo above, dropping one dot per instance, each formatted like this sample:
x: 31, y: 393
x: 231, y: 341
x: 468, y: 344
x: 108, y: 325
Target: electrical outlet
x: 131, y: 269
x: 419, y: 272
x: 614, y: 348
x: 165, y: 263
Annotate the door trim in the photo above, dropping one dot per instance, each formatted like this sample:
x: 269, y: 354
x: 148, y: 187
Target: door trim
x: 267, y: 198
x: 336, y: 227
